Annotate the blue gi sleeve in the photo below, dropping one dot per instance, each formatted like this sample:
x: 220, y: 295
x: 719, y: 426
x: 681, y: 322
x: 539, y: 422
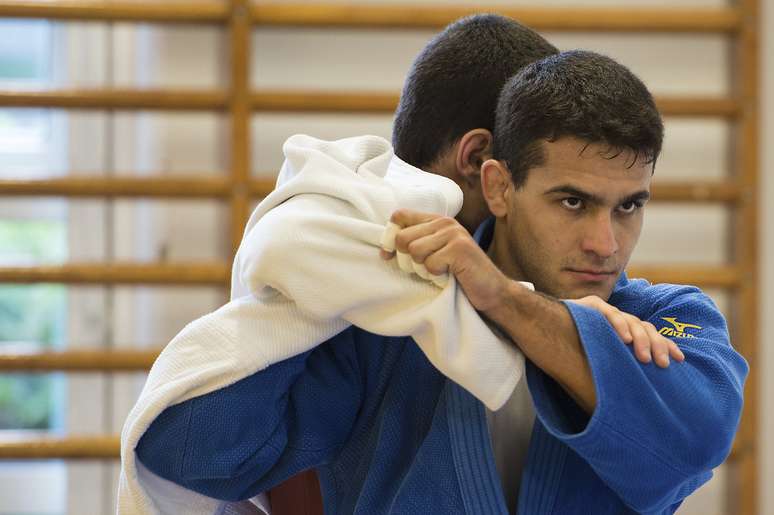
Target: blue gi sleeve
x: 241, y: 440
x: 656, y: 433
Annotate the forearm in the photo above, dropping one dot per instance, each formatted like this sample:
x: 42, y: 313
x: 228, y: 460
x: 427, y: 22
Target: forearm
x: 545, y: 332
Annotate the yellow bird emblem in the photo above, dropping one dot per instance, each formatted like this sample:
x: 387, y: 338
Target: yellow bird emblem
x: 679, y: 326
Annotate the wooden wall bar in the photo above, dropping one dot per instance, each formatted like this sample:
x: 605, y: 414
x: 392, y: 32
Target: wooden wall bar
x: 408, y: 16
x: 238, y: 188
x: 219, y: 273
x: 102, y: 447
x: 565, y: 19
x: 213, y: 186
x: 290, y: 101
x: 213, y: 11
x: 214, y: 274
x: 103, y: 186
x: 93, y: 360
x: 117, y: 99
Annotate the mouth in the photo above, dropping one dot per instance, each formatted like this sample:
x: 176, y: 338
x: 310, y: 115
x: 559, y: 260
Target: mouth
x: 591, y: 275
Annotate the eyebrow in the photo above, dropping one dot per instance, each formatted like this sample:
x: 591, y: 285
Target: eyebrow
x: 640, y: 196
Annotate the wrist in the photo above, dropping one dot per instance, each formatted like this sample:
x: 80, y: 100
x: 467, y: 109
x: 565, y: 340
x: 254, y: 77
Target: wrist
x: 506, y: 301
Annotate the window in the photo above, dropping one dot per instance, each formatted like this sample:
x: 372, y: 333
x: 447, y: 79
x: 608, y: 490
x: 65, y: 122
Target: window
x: 32, y: 317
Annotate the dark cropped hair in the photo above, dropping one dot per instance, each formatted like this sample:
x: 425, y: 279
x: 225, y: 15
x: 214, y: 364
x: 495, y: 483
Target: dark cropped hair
x: 454, y: 83
x: 580, y: 94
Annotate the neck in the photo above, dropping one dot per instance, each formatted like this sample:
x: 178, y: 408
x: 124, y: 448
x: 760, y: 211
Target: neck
x: 443, y: 165
x: 502, y: 255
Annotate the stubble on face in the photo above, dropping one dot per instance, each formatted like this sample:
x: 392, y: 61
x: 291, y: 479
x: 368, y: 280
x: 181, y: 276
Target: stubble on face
x: 568, y: 229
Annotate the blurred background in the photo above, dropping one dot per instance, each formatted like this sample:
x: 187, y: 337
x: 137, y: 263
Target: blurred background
x: 136, y: 137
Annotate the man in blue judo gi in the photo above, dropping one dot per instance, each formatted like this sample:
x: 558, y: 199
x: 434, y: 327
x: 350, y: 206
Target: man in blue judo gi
x: 565, y: 178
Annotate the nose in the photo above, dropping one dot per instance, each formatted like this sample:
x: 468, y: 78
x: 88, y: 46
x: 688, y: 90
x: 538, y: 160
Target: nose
x: 600, y: 238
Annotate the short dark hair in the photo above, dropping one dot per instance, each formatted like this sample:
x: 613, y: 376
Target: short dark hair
x: 455, y: 81
x: 580, y: 94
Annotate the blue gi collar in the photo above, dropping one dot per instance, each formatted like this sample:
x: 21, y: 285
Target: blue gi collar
x: 472, y: 452
x: 485, y: 232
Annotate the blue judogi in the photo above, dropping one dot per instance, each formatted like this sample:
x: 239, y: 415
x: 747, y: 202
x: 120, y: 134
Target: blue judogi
x: 387, y: 433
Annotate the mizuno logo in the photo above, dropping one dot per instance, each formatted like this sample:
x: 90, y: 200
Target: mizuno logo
x: 679, y: 328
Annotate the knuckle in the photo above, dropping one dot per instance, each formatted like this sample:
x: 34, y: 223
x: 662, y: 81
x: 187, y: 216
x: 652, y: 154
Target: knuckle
x: 413, y: 248
x: 452, y: 227
x: 398, y: 215
x: 457, y: 245
x: 448, y: 233
x: 446, y: 221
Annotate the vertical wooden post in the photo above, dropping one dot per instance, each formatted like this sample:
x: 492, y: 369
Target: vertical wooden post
x: 745, y: 78
x: 239, y: 112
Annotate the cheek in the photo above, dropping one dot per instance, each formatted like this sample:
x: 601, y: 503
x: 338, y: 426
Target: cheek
x: 545, y: 240
x: 539, y: 221
x: 539, y: 241
x: 538, y: 252
x: 529, y: 235
x: 628, y: 235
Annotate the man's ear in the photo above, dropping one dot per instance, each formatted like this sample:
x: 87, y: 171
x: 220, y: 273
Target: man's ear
x: 474, y: 148
x: 496, y: 185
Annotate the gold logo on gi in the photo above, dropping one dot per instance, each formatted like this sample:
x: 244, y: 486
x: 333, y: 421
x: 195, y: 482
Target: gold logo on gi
x: 679, y: 328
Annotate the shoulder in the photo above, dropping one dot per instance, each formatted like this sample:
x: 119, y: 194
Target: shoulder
x: 643, y: 299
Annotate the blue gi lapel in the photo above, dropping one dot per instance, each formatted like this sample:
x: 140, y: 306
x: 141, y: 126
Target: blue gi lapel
x: 472, y: 452
x: 475, y: 466
x: 540, y: 481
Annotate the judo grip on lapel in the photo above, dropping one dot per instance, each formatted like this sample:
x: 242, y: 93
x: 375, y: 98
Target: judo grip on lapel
x: 405, y: 262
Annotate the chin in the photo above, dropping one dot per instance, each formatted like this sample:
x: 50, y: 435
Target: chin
x: 579, y: 293
x: 571, y: 290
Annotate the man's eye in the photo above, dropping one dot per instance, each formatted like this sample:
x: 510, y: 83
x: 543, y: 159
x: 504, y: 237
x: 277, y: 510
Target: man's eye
x: 572, y: 203
x: 629, y: 207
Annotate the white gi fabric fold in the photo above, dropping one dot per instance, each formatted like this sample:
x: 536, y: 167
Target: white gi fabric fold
x: 308, y: 267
